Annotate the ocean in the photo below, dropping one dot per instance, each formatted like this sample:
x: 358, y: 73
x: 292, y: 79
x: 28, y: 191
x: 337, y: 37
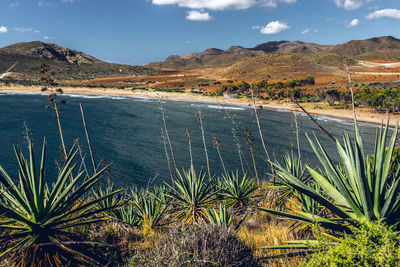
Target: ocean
x: 126, y: 132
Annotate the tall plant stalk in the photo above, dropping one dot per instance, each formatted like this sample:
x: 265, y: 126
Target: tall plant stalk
x: 217, y: 146
x: 167, y: 157
x: 260, y: 131
x: 163, y: 113
x: 201, y: 117
x: 239, y: 150
x: 88, y: 138
x: 298, y: 138
x: 250, y: 141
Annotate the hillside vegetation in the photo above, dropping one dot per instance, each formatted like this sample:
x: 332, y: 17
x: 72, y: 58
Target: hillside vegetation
x: 280, y: 66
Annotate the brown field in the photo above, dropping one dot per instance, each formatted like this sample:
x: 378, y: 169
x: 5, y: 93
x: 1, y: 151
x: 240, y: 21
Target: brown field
x: 362, y: 73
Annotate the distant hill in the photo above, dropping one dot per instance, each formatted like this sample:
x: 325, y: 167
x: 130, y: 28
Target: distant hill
x: 67, y: 64
x: 359, y: 47
x: 284, y: 66
x: 214, y: 57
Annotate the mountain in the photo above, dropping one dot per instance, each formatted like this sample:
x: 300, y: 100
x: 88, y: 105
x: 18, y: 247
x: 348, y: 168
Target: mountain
x: 65, y: 63
x: 359, y: 47
x: 214, y: 57
x: 49, y: 51
x: 291, y: 47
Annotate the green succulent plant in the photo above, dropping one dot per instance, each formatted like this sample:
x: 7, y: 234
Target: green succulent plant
x: 34, y: 214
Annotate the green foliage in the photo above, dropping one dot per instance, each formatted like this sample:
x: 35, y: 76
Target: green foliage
x: 111, y: 202
x: 223, y: 218
x: 379, y: 99
x: 192, y: 195
x: 35, y: 213
x: 360, y: 191
x: 150, y: 208
x: 237, y: 190
x: 372, y: 245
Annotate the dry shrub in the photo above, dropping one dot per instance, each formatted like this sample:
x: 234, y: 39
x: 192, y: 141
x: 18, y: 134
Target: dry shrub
x: 205, y: 245
x: 119, y: 238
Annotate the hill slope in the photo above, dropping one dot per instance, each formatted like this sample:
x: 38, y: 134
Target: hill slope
x: 67, y: 64
x: 214, y: 57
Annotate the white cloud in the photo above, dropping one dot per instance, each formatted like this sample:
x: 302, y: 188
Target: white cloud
x: 208, y: 4
x: 23, y: 29
x: 3, y: 29
x: 351, y: 4
x: 67, y: 1
x: 221, y: 4
x: 305, y: 31
x: 198, y: 15
x: 274, y: 27
x: 387, y: 12
x: 37, y: 31
x: 46, y: 37
x: 274, y: 3
x: 353, y: 23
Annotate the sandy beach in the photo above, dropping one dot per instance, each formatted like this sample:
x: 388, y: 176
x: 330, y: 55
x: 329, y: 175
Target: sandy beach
x: 363, y: 115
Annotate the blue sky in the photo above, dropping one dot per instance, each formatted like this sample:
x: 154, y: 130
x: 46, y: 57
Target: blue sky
x: 142, y: 31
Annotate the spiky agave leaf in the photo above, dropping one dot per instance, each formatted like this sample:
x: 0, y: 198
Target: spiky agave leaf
x: 37, y: 213
x: 150, y: 208
x: 192, y: 196
x: 360, y: 191
x: 224, y: 218
x: 236, y: 190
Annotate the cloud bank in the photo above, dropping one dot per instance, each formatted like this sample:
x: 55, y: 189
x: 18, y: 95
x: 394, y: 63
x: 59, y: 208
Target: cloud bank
x: 387, y: 12
x: 351, y: 4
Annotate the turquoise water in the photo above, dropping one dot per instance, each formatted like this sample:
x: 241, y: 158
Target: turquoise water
x: 127, y: 133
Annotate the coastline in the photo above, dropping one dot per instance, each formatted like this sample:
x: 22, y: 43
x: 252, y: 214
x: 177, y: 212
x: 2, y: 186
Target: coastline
x: 363, y: 115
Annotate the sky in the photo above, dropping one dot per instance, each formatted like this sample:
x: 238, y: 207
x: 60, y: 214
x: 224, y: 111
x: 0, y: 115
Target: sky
x: 143, y: 31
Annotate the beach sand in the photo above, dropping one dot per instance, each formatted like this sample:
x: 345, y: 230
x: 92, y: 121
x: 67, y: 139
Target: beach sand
x: 363, y: 115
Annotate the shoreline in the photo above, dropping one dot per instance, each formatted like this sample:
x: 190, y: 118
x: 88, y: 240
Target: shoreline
x: 363, y: 115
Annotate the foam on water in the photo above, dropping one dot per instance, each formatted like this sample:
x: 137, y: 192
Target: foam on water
x: 225, y: 107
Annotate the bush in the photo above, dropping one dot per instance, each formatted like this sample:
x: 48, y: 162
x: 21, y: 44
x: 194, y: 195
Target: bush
x: 205, y: 245
x: 373, y: 245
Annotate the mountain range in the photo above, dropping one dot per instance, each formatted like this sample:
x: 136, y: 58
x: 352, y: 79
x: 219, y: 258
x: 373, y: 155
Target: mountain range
x: 213, y: 57
x: 282, y: 56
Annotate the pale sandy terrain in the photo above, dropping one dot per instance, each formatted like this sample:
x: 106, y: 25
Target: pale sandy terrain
x: 362, y: 114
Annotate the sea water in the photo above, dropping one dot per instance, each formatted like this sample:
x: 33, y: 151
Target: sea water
x: 127, y: 133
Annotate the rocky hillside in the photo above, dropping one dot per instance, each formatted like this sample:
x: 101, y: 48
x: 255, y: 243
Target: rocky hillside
x: 359, y: 47
x: 67, y: 64
x: 214, y: 57
x: 49, y: 51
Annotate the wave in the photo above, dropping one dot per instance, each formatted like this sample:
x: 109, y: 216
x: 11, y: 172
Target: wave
x: 87, y: 96
x: 225, y: 107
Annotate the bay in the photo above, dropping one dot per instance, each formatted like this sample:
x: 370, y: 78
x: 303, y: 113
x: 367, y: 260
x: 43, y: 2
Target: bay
x: 126, y: 132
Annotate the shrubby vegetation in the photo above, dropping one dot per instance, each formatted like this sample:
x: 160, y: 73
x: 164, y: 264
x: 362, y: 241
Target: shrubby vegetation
x: 372, y: 245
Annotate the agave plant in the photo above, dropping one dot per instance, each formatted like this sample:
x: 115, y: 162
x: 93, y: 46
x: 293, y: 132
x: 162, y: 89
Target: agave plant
x: 128, y: 215
x: 192, y: 196
x: 285, y: 192
x: 110, y: 203
x: 223, y: 218
x: 238, y: 191
x: 361, y: 190
x: 149, y: 209
x: 37, y: 218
